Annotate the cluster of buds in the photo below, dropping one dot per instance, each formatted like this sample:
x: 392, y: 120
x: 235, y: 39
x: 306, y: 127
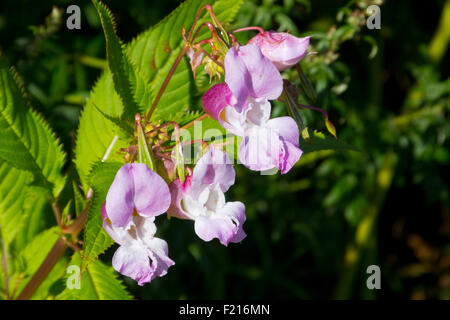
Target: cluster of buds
x: 155, y: 179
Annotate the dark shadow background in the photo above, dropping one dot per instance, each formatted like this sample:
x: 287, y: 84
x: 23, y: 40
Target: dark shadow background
x: 313, y: 232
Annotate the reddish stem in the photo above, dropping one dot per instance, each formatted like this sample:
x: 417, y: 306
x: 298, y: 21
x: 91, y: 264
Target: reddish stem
x: 190, y: 124
x: 166, y: 82
x: 261, y: 30
x: 50, y: 261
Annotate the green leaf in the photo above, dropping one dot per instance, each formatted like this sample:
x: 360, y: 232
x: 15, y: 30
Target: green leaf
x: 124, y: 77
x: 95, y: 237
x: 151, y: 54
x: 98, y: 282
x: 31, y: 257
x: 319, y: 141
x: 26, y: 141
x: 12, y: 185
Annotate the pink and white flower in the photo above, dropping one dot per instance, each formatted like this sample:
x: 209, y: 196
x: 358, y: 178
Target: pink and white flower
x: 201, y: 198
x: 135, y: 197
x: 267, y: 143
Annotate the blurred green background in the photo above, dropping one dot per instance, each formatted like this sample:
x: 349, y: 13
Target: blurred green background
x: 313, y: 232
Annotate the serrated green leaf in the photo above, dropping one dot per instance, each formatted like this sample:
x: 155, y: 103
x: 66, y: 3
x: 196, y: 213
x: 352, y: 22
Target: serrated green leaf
x: 98, y: 282
x: 12, y: 184
x: 95, y: 237
x: 123, y: 73
x: 31, y: 257
x: 152, y: 54
x: 26, y: 141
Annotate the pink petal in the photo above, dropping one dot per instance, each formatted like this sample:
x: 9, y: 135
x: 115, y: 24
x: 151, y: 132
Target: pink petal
x: 133, y: 261
x: 208, y: 229
x: 151, y: 195
x: 260, y: 149
x: 283, y: 49
x: 216, y: 99
x: 288, y: 157
x: 286, y: 127
x: 265, y: 77
x: 119, y: 200
x: 226, y: 226
x: 214, y: 167
x: 177, y: 192
x: 237, y: 77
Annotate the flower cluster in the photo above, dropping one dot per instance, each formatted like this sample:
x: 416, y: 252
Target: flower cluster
x: 242, y: 106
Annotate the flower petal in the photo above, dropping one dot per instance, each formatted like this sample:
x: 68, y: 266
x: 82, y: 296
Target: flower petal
x: 286, y: 127
x: 265, y: 77
x: 133, y: 261
x: 119, y: 200
x: 226, y: 225
x: 118, y: 234
x: 283, y: 49
x: 289, y: 156
x: 236, y: 211
x: 208, y: 229
x: 152, y: 195
x: 177, y: 192
x: 216, y: 99
x: 160, y: 255
x: 237, y: 77
x: 214, y: 167
x: 260, y: 149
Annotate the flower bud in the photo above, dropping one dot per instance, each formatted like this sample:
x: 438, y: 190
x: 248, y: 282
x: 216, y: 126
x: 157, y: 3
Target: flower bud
x: 283, y: 49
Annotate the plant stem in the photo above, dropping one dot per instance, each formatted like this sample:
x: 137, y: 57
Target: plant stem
x: 5, y: 267
x: 190, y: 124
x: 45, y: 268
x: 62, y: 243
x: 165, y: 83
x: 261, y: 30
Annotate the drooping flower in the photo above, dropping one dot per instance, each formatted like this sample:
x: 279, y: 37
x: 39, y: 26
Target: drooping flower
x: 267, y: 143
x: 135, y: 197
x: 136, y: 188
x: 140, y: 256
x: 201, y: 198
x: 249, y: 74
x: 283, y: 49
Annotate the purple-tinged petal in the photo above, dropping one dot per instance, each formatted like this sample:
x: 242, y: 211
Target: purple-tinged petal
x: 152, y: 195
x: 177, y: 191
x: 286, y: 127
x: 143, y: 262
x: 290, y: 153
x: 289, y: 156
x: 160, y: 255
x: 265, y: 77
x: 226, y: 225
x: 257, y: 112
x: 214, y: 167
x: 210, y: 228
x: 237, y: 77
x: 118, y: 234
x: 119, y: 200
x: 236, y: 211
x: 133, y: 261
x: 283, y: 49
x: 260, y: 148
